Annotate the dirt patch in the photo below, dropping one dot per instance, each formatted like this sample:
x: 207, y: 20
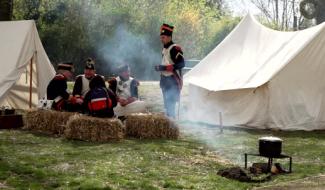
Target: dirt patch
x: 310, y: 183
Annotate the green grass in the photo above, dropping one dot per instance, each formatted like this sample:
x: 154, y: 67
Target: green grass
x: 32, y: 161
x: 42, y: 162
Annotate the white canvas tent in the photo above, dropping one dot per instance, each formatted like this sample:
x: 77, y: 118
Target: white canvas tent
x: 262, y: 78
x: 21, y: 52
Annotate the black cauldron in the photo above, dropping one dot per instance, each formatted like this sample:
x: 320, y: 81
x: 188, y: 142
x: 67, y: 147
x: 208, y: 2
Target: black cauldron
x: 270, y: 146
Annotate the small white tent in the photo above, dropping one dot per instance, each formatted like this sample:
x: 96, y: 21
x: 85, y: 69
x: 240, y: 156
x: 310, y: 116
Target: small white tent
x: 261, y: 78
x: 21, y: 52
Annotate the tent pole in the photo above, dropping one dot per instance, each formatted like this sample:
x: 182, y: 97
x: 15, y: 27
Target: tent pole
x: 220, y: 122
x: 31, y: 82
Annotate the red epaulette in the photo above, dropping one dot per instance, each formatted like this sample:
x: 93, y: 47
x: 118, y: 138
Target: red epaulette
x: 59, y: 77
x: 178, y: 48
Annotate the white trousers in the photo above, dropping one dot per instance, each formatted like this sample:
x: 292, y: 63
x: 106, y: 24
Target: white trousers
x: 134, y: 107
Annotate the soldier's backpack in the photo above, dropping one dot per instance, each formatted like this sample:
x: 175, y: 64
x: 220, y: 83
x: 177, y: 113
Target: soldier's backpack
x: 99, y: 100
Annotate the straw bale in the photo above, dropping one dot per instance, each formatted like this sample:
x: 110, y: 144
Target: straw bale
x: 94, y: 129
x: 151, y: 126
x: 46, y: 121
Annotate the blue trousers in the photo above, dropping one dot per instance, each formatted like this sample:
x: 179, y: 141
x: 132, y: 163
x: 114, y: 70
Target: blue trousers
x: 171, y: 94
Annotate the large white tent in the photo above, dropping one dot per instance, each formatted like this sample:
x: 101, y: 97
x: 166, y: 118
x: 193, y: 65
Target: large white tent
x: 261, y: 78
x: 21, y: 52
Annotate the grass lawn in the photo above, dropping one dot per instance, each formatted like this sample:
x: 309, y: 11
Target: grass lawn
x: 33, y: 161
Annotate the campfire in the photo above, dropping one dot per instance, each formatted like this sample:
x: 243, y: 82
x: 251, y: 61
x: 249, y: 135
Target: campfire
x: 270, y: 148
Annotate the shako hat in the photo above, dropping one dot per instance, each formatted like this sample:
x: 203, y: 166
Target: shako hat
x: 66, y: 66
x: 123, y: 68
x: 166, y: 29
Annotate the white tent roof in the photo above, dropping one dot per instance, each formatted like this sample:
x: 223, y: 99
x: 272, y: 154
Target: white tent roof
x: 249, y: 57
x: 20, y: 45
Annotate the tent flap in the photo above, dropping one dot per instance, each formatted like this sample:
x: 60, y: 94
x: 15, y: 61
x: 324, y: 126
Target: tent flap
x: 21, y: 46
x: 261, y: 78
x: 249, y: 57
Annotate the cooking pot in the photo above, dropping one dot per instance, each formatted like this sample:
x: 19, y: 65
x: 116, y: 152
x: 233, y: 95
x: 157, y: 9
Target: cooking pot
x: 270, y: 146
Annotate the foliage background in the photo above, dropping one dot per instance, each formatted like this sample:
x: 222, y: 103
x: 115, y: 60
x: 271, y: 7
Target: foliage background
x: 115, y: 32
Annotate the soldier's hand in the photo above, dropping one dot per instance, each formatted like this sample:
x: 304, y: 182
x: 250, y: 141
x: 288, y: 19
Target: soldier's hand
x: 70, y: 97
x: 123, y: 102
x: 160, y: 67
x: 131, y: 99
x: 79, y: 100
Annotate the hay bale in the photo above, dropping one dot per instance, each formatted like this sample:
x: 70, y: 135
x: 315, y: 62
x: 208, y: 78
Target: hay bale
x: 46, y: 121
x: 151, y: 126
x: 94, y: 129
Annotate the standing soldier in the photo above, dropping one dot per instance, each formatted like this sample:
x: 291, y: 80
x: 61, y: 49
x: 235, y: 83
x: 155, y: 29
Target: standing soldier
x: 57, y: 88
x: 171, y: 81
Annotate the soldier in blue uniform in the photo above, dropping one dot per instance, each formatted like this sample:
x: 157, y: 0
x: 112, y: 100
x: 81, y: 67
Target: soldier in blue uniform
x: 57, y: 88
x: 99, y: 100
x: 81, y: 85
x: 170, y: 69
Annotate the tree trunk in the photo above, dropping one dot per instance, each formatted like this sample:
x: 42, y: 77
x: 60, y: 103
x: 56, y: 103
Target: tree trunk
x: 277, y: 12
x: 6, y: 10
x: 295, y: 19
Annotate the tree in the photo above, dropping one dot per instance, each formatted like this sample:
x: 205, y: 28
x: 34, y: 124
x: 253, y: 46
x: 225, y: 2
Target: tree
x: 6, y: 9
x: 124, y: 31
x: 279, y: 14
x: 219, y: 4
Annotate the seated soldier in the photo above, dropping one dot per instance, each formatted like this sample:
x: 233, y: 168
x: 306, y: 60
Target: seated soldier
x: 57, y: 88
x: 99, y: 101
x: 81, y: 85
x: 126, y: 90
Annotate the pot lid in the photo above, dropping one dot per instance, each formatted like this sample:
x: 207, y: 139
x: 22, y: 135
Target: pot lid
x: 270, y: 138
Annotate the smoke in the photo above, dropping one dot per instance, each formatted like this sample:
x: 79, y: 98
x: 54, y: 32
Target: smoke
x: 125, y: 47
x: 200, y: 119
x: 200, y: 107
